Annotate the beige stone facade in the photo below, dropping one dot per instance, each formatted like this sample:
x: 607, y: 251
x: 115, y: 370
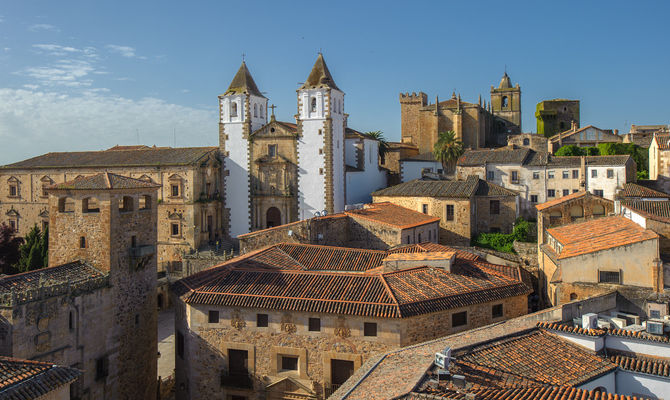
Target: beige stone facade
x: 189, y: 203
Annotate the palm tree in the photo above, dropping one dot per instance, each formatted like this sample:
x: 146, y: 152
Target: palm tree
x: 383, y: 144
x: 447, y: 149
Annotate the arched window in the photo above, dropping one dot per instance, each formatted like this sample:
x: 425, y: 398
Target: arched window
x: 233, y: 109
x: 126, y: 204
x: 576, y: 212
x: 90, y: 205
x: 313, y: 106
x: 255, y: 110
x: 66, y: 204
x: 573, y: 296
x: 505, y: 102
x: 598, y: 210
x: 555, y: 218
x: 145, y: 202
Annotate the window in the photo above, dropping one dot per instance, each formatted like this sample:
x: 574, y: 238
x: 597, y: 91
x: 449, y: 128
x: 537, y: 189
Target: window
x: 494, y: 207
x: 490, y: 175
x: 594, y: 173
x: 497, y: 311
x: 514, y: 176
x: 505, y: 102
x: 174, y: 229
x: 536, y: 175
x: 424, y: 208
x: 566, y: 174
x: 609, y: 277
x: 370, y: 329
x: 126, y: 204
x: 13, y: 190
x: 566, y: 192
x: 430, y: 239
x: 137, y: 319
x: 261, y: 320
x: 255, y: 110
x: 15, y: 226
x: 533, y: 198
x: 66, y: 205
x: 526, y: 142
x: 407, y: 238
x: 550, y: 174
x: 238, y: 361
x: 551, y: 193
x: 133, y: 241
x: 180, y: 344
x: 575, y: 190
x: 90, y: 205
x: 575, y: 174
x: 289, y: 363
x: 314, y: 324
x: 213, y: 317
x: 419, y: 241
x: 174, y: 190
x: 313, y: 107
x: 656, y: 314
x: 145, y: 202
x: 272, y: 150
x: 450, y: 212
x: 459, y: 319
x: 82, y: 242
x: 101, y: 368
x: 598, y: 192
x: 610, y: 173
x: 70, y: 322
x: 233, y: 110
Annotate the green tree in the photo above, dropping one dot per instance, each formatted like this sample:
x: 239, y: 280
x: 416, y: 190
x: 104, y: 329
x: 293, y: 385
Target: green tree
x: 638, y: 155
x: 9, y: 249
x: 383, y: 143
x: 570, y: 150
x: 447, y: 149
x: 33, y: 254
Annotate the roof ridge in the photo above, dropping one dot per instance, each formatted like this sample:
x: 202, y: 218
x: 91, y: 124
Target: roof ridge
x: 391, y: 294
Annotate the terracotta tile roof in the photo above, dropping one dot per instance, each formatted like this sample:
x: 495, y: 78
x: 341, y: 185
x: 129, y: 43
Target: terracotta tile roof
x: 504, y: 155
x: 25, y: 379
x: 559, y: 326
x: 658, y: 210
x: 464, y: 189
x: 118, y: 158
x: 636, y: 190
x: 429, y: 246
x: 641, y: 364
x: 561, y: 200
x: 638, y: 335
x: 663, y: 141
x: 301, y: 277
x: 420, y: 157
x: 399, y: 145
x: 73, y: 272
x: 391, y: 214
x: 104, y: 181
x: 592, y: 161
x: 598, y: 234
x: 531, y: 393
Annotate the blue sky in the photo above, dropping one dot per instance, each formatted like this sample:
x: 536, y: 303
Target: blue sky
x: 86, y: 75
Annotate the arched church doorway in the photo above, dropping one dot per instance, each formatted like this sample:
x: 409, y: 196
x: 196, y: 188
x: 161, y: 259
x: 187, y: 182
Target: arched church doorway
x: 273, y: 217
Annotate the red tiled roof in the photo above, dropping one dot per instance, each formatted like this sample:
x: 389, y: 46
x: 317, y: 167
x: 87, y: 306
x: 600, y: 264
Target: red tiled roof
x: 658, y: 210
x: 638, y: 335
x: 663, y: 141
x: 635, y: 190
x: 558, y: 326
x: 598, y: 234
x: 530, y: 393
x: 391, y: 214
x: 344, y: 281
x: 560, y: 200
x: 642, y: 364
x: 27, y: 379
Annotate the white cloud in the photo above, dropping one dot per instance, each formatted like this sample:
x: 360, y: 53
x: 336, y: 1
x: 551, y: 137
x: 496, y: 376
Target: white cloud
x: 124, y: 51
x: 65, y: 72
x: 31, y: 87
x: 43, y: 27
x: 37, y: 122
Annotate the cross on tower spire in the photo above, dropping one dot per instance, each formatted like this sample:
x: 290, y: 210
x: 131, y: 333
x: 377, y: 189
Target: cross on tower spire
x: 243, y: 55
x: 273, y: 109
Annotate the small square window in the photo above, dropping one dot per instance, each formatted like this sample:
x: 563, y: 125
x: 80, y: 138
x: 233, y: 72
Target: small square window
x: 370, y: 329
x: 609, y: 277
x: 656, y: 314
x: 497, y: 311
x: 459, y: 319
x: 594, y: 173
x: 262, y: 320
x: 536, y: 175
x: 575, y: 174
x: 174, y: 190
x: 598, y: 192
x: 175, y: 229
x: 450, y: 212
x: 575, y: 190
x: 610, y: 173
x: 533, y: 198
x: 550, y: 174
x: 424, y: 208
x: 315, y: 324
x: 566, y: 174
x: 272, y: 150
x: 13, y: 190
x: 213, y: 317
x: 514, y: 176
x: 289, y: 363
x: 566, y: 192
x: 551, y: 193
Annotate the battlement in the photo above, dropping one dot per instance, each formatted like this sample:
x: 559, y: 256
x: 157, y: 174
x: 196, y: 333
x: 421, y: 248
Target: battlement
x: 414, y: 98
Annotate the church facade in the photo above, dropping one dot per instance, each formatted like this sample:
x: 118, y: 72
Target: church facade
x: 477, y: 125
x: 279, y: 172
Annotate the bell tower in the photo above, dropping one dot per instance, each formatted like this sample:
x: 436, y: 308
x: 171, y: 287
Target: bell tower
x: 242, y: 110
x: 506, y: 110
x: 321, y: 125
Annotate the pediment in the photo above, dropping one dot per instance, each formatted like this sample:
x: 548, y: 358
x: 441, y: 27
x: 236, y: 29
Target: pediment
x: 44, y: 213
x: 278, y: 159
x: 146, y: 178
x: 175, y: 177
x: 290, y: 385
x: 12, y: 213
x: 46, y: 179
x: 13, y: 179
x: 276, y: 129
x: 175, y: 216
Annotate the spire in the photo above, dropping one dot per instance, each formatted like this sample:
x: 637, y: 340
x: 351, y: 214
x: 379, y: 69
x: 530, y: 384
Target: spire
x: 243, y: 83
x: 505, y: 82
x: 320, y: 76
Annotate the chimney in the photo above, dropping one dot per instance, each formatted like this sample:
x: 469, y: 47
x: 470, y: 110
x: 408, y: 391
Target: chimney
x: 436, y: 259
x: 616, y: 132
x: 574, y: 126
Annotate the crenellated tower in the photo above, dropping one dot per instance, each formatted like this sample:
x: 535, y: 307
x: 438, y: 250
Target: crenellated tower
x: 242, y: 110
x: 321, y: 125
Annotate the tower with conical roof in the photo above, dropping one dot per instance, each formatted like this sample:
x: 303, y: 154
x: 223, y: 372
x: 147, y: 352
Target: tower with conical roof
x: 321, y: 125
x: 242, y: 110
x: 506, y: 110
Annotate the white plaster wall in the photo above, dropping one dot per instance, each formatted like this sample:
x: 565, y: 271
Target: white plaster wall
x: 338, y: 152
x: 237, y: 181
x: 607, y: 381
x: 361, y: 184
x: 350, y: 152
x: 629, y: 383
x: 311, y: 164
x: 412, y: 169
x: 637, y: 346
x: 602, y: 182
x: 633, y: 216
x: 594, y: 343
x: 526, y: 185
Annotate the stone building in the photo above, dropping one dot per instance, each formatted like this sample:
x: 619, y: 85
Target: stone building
x: 465, y: 207
x: 295, y: 321
x: 377, y: 226
x: 583, y: 258
x: 94, y: 307
x: 539, y: 177
x: 189, y: 201
x: 279, y: 172
x: 533, y: 141
x: 659, y: 161
x: 27, y: 379
x: 554, y: 116
x: 475, y: 124
x: 654, y: 215
x: 642, y: 135
x: 396, y: 152
x: 588, y: 136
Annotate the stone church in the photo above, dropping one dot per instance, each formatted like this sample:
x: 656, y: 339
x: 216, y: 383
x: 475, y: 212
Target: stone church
x: 478, y: 125
x: 279, y: 172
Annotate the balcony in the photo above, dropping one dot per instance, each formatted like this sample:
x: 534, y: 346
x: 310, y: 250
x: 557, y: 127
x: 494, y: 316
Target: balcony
x: 239, y: 380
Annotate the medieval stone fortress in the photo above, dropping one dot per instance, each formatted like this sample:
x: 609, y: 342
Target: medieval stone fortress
x: 306, y: 259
